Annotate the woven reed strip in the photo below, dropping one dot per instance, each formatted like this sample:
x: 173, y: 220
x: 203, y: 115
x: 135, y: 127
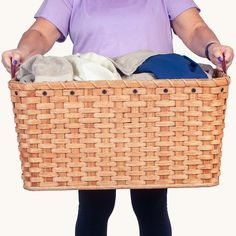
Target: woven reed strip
x: 119, y: 139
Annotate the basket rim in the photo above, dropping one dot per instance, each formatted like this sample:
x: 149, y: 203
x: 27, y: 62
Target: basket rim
x: 220, y: 81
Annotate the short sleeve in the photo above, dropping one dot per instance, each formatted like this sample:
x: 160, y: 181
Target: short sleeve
x: 58, y: 12
x: 176, y: 7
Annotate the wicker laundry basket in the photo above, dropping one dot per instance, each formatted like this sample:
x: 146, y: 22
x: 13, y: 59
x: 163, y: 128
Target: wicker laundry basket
x: 120, y: 134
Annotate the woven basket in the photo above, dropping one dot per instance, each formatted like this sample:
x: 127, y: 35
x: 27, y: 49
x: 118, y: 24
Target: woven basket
x: 120, y: 134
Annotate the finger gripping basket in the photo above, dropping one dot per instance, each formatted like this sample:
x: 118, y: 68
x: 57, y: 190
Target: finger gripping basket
x: 120, y: 134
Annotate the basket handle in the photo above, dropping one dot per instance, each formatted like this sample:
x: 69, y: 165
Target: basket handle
x: 13, y: 68
x: 223, y: 63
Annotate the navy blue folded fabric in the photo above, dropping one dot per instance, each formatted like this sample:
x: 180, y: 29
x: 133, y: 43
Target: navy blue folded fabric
x: 171, y: 66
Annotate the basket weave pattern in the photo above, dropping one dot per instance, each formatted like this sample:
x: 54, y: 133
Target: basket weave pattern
x: 120, y: 134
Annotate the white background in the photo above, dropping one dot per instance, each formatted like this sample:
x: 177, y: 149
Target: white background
x: 193, y: 212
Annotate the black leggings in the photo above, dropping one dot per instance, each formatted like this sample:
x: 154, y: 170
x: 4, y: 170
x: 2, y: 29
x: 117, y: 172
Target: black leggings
x: 149, y: 205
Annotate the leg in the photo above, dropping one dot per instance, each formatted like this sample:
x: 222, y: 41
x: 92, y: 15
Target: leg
x: 95, y: 207
x: 150, y: 207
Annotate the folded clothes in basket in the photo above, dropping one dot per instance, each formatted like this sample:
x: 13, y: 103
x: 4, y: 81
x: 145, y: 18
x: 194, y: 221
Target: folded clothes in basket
x: 160, y: 66
x: 87, y: 66
x: 91, y: 66
x: 39, y: 69
x: 171, y: 66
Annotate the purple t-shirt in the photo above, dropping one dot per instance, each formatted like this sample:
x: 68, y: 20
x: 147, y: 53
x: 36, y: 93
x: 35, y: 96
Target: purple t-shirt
x: 115, y: 27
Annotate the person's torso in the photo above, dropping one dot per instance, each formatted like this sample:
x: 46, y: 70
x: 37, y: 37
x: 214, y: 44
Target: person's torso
x: 113, y: 28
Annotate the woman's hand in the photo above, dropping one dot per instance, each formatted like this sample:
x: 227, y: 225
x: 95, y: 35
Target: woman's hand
x: 216, y: 52
x: 196, y: 35
x: 38, y: 39
x: 14, y: 56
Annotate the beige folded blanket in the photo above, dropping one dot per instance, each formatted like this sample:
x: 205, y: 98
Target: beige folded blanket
x: 40, y: 69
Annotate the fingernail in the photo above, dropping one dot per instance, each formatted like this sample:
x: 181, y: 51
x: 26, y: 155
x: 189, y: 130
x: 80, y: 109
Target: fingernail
x: 14, y: 62
x: 220, y: 59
